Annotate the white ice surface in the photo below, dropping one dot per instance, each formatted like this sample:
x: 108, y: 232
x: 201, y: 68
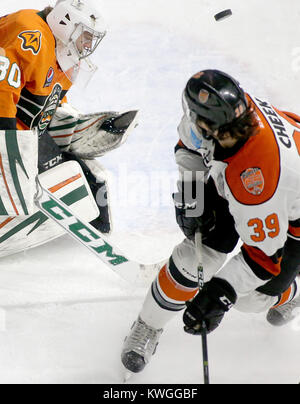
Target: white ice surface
x: 64, y: 315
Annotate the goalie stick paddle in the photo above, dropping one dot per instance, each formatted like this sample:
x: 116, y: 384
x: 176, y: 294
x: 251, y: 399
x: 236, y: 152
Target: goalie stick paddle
x: 198, y: 245
x: 131, y: 271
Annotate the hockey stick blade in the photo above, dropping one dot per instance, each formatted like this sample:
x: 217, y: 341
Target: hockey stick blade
x: 131, y: 271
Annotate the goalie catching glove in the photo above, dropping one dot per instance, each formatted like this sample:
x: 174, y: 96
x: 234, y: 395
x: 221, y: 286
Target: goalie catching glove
x: 90, y: 135
x: 209, y: 306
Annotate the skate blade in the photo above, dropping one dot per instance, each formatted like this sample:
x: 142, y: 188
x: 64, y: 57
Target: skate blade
x: 127, y: 375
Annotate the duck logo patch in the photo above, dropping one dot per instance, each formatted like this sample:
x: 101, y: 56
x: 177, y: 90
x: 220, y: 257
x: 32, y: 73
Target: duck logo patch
x: 31, y: 40
x: 253, y: 180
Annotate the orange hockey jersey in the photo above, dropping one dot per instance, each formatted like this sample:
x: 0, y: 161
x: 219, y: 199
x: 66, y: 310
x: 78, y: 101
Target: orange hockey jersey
x: 31, y: 82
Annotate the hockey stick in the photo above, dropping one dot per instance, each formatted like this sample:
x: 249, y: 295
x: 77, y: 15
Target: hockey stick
x: 87, y: 235
x: 198, y: 245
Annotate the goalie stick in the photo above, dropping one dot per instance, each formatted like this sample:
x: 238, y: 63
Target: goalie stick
x: 131, y: 271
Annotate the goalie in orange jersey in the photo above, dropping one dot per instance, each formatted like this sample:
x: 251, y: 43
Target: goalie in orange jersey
x: 41, y: 54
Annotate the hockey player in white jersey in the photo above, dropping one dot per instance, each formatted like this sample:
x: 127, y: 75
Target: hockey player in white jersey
x: 249, y: 152
x: 41, y: 54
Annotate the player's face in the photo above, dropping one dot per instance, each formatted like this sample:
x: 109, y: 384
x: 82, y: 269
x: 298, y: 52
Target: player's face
x: 84, y: 42
x: 224, y: 138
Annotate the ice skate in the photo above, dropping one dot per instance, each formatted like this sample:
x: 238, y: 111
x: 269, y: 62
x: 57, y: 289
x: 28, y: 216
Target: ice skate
x: 283, y: 314
x: 139, y: 346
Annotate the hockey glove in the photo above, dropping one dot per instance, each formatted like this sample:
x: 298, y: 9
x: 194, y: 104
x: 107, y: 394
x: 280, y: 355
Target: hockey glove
x: 209, y: 306
x: 189, y: 225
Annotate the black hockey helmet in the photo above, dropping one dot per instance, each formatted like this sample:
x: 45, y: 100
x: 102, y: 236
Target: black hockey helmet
x: 215, y: 97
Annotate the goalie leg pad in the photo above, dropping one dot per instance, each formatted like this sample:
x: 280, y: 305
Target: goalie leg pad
x: 68, y: 183
x: 97, y: 179
x: 18, y: 167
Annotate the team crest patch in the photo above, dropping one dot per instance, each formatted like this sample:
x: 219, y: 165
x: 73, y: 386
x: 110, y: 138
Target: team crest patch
x: 31, y: 40
x: 253, y: 180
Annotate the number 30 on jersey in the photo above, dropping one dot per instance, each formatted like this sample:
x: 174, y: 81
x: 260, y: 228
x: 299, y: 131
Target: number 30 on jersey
x: 10, y: 72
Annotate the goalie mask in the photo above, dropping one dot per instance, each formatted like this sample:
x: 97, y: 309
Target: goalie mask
x: 78, y: 29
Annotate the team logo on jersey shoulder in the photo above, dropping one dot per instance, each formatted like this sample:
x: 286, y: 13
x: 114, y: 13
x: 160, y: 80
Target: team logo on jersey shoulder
x: 253, y: 180
x: 31, y: 40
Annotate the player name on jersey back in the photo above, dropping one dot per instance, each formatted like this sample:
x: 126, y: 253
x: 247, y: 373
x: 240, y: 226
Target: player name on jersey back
x: 275, y: 122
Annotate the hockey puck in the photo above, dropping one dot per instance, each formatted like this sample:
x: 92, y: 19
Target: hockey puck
x: 223, y: 14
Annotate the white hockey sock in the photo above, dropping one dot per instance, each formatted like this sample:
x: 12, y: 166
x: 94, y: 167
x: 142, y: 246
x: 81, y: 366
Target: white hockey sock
x: 154, y: 315
x: 167, y: 296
